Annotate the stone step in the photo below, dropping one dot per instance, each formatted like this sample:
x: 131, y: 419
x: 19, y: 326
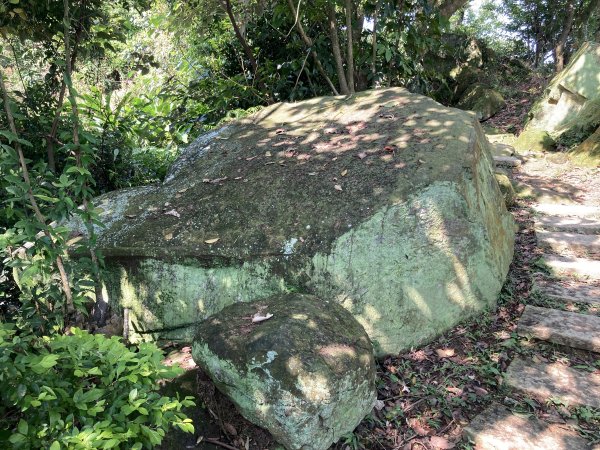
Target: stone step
x: 501, y: 149
x: 552, y: 209
x: 584, y: 268
x: 579, y: 293
x: 557, y: 381
x: 580, y: 225
x: 501, y: 138
x: 585, y: 245
x: 497, y: 428
x: 507, y: 161
x: 561, y: 327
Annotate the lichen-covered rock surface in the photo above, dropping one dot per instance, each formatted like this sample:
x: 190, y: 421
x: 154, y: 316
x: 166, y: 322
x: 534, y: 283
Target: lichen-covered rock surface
x: 571, y: 102
x: 306, y: 374
x: 384, y: 202
x: 482, y: 99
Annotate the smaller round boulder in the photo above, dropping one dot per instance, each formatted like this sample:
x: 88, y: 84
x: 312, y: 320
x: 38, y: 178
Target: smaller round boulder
x: 301, y: 367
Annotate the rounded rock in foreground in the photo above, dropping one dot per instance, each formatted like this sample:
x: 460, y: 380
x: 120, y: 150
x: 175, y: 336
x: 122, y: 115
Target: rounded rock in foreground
x: 296, y: 365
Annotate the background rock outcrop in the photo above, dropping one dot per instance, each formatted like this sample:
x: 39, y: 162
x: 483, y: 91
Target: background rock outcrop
x: 384, y: 202
x: 570, y: 106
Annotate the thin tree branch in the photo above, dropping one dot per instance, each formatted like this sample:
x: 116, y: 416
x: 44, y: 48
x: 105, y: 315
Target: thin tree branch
x: 101, y: 305
x: 32, y: 201
x: 308, y: 42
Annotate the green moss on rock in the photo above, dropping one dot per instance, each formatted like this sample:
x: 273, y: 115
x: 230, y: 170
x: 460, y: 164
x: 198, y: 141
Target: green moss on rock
x: 417, y: 239
x: 306, y: 374
x: 506, y: 187
x: 533, y: 140
x: 571, y: 102
x: 482, y: 99
x: 588, y: 152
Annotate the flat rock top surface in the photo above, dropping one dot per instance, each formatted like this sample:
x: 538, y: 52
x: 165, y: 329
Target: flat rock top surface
x: 292, y: 177
x: 300, y: 335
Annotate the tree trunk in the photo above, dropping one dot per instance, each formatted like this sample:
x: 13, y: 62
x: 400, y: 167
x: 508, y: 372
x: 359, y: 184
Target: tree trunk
x: 309, y: 43
x: 247, y: 50
x: 101, y: 305
x: 350, y: 50
x: 240, y: 37
x: 559, y: 49
x: 374, y: 47
x: 335, y: 47
x: 449, y: 7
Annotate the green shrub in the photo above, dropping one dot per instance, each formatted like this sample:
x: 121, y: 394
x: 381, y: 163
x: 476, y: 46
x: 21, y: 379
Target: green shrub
x: 83, y: 391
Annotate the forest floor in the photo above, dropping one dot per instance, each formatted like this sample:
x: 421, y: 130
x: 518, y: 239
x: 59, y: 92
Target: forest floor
x: 428, y: 395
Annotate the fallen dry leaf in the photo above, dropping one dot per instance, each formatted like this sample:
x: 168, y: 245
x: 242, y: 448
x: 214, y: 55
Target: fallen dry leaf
x: 211, y: 241
x: 168, y: 236
x: 480, y: 391
x: 230, y: 429
x: 441, y: 443
x: 337, y: 187
x: 173, y: 213
x: 362, y: 155
x: 251, y: 158
x: 258, y: 317
x: 268, y: 154
x: 215, y: 181
x: 344, y: 172
x: 445, y: 352
x: 455, y: 390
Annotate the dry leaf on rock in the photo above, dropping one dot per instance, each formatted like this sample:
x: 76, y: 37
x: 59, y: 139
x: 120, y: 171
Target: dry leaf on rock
x: 337, y: 187
x: 211, y: 241
x: 173, y: 212
x: 258, y: 317
x: 362, y: 155
x: 344, y: 172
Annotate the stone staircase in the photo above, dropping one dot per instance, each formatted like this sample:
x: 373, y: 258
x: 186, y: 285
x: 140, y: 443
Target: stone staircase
x: 569, y: 234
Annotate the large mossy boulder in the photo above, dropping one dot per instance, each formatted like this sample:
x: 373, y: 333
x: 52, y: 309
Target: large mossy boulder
x: 384, y: 202
x: 482, y: 99
x: 571, y: 102
x: 306, y: 373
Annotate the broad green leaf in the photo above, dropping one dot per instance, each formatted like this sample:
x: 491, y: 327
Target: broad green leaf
x: 23, y: 427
